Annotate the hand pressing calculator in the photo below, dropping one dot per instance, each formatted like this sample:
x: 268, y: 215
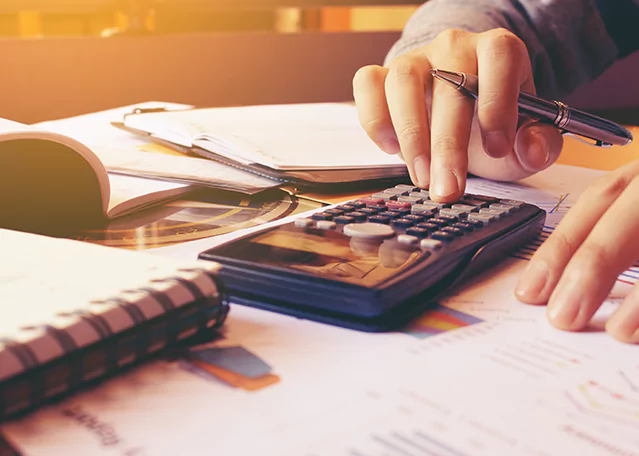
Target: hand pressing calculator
x: 375, y: 263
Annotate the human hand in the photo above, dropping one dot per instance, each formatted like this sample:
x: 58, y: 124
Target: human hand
x: 404, y: 110
x: 575, y: 269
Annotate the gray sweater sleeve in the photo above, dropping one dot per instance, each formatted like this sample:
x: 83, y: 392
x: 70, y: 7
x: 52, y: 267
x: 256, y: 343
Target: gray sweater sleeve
x: 568, y: 40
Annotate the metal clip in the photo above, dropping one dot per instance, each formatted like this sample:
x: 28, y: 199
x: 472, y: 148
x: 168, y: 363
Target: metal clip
x: 587, y: 140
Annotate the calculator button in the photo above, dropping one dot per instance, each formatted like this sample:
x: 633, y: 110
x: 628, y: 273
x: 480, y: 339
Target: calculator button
x: 326, y: 225
x: 379, y: 219
x: 370, y: 201
x: 347, y: 207
x: 473, y: 202
x: 397, y: 191
x: 410, y: 199
x: 392, y: 205
x: 442, y: 236
x: 370, y: 211
x: 483, y: 218
x: 409, y: 188
x: 503, y: 207
x: 345, y: 219
x: 430, y: 244
x: 303, y: 222
x: 357, y: 205
x: 414, y: 217
x: 488, y: 199
x: 322, y: 216
x: 452, y: 213
x: 406, y: 239
x: 369, y: 231
x: 419, y: 195
x: 440, y: 221
x: 423, y: 209
x: 467, y: 227
x: 418, y: 232
x: 390, y: 214
x: 517, y: 204
x: 358, y: 216
x: 451, y: 229
x: 474, y: 223
x: 334, y: 212
x: 428, y: 226
x: 434, y: 204
x: 463, y: 207
x: 495, y: 212
x: 402, y: 211
x: 403, y: 223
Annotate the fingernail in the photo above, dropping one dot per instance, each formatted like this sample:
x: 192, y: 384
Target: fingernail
x: 535, y: 154
x: 422, y: 172
x: 496, y: 144
x: 624, y: 323
x: 564, y: 305
x: 445, y: 183
x: 390, y: 145
x: 532, y: 283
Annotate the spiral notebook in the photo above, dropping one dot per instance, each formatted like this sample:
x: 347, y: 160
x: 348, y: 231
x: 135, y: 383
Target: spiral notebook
x: 72, y: 312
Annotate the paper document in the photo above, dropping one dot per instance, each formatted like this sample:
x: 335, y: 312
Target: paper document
x: 315, y: 136
x: 479, y: 374
x: 124, y: 153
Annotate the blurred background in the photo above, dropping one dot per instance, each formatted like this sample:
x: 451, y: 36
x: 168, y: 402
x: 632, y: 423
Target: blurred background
x: 67, y: 57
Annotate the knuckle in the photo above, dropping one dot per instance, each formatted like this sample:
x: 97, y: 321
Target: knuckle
x: 595, y: 255
x: 409, y: 134
x: 402, y: 69
x: 502, y: 43
x: 445, y: 145
x: 560, y: 245
x: 449, y: 39
x: 607, y: 187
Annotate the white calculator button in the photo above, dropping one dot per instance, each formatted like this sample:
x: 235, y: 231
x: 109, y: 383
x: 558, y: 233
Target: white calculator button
x: 407, y: 239
x: 369, y: 230
x: 431, y: 244
x: 326, y: 225
x: 303, y: 222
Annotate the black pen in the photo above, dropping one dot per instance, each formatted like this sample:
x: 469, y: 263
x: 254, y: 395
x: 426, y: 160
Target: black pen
x: 569, y: 120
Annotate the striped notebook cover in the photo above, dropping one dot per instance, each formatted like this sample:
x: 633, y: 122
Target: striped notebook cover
x: 72, y: 312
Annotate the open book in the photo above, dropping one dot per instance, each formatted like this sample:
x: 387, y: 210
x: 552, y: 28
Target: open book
x: 50, y: 181
x: 317, y: 143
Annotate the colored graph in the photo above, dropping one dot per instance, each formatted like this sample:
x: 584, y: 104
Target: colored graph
x: 235, y: 366
x: 605, y: 403
x: 439, y: 320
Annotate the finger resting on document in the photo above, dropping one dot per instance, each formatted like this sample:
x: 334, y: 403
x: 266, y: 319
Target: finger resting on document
x: 608, y: 250
x: 623, y: 325
x: 543, y: 272
x: 372, y: 108
x: 407, y: 82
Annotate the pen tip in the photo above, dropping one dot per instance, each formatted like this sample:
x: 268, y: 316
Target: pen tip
x: 433, y: 72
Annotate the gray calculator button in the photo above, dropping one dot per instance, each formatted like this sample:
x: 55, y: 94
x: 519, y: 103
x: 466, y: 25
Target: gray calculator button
x: 423, y: 209
x: 369, y: 231
x: 303, y: 222
x: 453, y: 213
x: 517, y: 204
x: 503, y: 207
x: 407, y: 239
x: 326, y: 225
x: 484, y: 218
x: 410, y: 199
x: 463, y: 207
x: 496, y: 212
x: 432, y: 203
x: 431, y: 244
x: 405, y: 187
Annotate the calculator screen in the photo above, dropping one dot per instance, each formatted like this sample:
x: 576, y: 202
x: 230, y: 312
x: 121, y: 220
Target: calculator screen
x: 326, y: 253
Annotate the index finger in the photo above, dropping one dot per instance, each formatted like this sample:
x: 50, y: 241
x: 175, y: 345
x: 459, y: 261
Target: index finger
x: 406, y: 85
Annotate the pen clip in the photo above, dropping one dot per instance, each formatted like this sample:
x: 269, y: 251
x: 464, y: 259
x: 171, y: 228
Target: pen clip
x: 587, y: 140
x: 144, y: 111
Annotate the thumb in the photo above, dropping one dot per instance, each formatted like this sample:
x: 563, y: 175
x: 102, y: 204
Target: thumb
x: 538, y: 146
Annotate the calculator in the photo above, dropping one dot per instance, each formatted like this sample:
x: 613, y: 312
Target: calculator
x: 377, y: 262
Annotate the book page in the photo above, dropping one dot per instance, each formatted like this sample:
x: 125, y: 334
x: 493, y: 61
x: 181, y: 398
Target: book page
x: 125, y: 153
x: 285, y: 137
